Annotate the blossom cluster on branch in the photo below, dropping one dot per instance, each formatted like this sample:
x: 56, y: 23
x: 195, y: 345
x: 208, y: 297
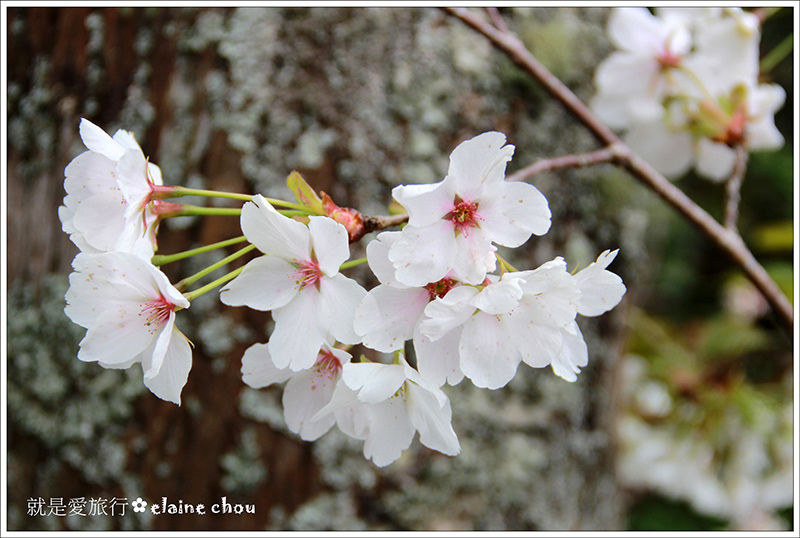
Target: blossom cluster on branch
x: 684, y: 85
x: 467, y: 312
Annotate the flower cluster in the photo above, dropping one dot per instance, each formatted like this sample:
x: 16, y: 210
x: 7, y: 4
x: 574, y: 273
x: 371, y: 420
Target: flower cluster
x: 684, y: 86
x: 439, y: 288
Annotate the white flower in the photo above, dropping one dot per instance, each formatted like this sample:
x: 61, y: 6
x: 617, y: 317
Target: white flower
x: 452, y: 224
x: 633, y: 81
x: 104, y: 209
x: 298, y: 280
x: 527, y: 316
x: 388, y: 314
x: 385, y: 404
x: 128, y: 308
x: 306, y: 392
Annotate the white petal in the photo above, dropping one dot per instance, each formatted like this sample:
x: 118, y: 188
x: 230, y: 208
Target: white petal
x: 636, y: 30
x: 521, y: 210
x: 378, y: 258
x: 669, y: 152
x: 446, y: 313
x: 432, y: 420
x: 601, y: 290
x: 375, y: 382
x: 573, y: 356
x: 489, y: 357
x: 439, y: 361
x: 265, y: 283
x: 273, y: 233
x: 478, y: 162
x: 100, y: 219
x: 340, y: 297
x: 472, y: 252
x: 330, y: 243
x: 174, y: 371
x: 299, y: 332
x: 306, y: 393
x: 88, y: 174
x: 99, y: 141
x: 715, y: 160
x: 390, y: 431
x: 424, y: 255
x: 426, y: 204
x: 117, y: 335
x: 386, y: 317
x: 499, y: 297
x: 259, y: 371
x: 132, y: 181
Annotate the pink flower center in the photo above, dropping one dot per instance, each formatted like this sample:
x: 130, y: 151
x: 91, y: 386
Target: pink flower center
x: 440, y: 288
x: 157, y: 312
x: 328, y: 364
x: 464, y: 215
x: 308, y: 273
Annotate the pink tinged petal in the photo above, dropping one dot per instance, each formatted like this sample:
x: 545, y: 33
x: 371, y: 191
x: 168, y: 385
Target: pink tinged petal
x: 99, y: 141
x: 339, y: 298
x: 601, y: 290
x: 714, y: 160
x: 439, y: 361
x: 174, y: 371
x: 273, y: 233
x: 669, y: 152
x: 306, y: 393
x: 390, y: 431
x: 259, y: 371
x: 446, y: 313
x: 132, y: 179
x: 117, y: 335
x: 265, y: 283
x: 378, y: 258
x: 100, y: 219
x: 489, y: 357
x: 299, y: 332
x: 424, y: 255
x: 151, y: 364
x: 375, y: 382
x: 154, y: 173
x: 432, y: 420
x: 573, y: 356
x: 330, y: 243
x: 426, y: 204
x: 478, y: 162
x: 386, y: 317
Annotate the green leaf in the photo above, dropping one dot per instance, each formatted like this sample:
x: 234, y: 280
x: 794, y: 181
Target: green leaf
x: 304, y: 193
x: 775, y: 237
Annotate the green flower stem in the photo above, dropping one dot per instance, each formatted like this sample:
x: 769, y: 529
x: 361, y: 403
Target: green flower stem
x: 192, y: 295
x: 352, y: 263
x: 162, y: 259
x: 774, y: 57
x: 210, y: 269
x: 191, y: 210
x: 183, y: 191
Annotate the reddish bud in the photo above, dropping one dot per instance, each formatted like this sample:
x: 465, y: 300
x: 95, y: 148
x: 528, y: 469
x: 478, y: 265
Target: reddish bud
x: 352, y: 220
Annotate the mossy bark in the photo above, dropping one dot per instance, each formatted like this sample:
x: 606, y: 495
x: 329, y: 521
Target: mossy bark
x: 358, y: 100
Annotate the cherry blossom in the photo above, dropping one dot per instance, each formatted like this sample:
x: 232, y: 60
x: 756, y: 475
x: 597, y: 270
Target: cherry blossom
x: 298, y: 280
x: 128, y: 308
x: 385, y: 404
x: 306, y: 392
x: 452, y: 224
x: 684, y: 86
x: 105, y: 207
x: 525, y: 316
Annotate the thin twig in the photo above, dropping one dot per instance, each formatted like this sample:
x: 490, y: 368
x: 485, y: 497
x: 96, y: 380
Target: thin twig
x: 729, y: 240
x: 497, y: 20
x: 605, y: 155
x: 733, y: 187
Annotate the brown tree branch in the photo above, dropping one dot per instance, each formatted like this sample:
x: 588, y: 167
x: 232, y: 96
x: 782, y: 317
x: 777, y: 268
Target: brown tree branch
x: 728, y: 240
x: 605, y: 155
